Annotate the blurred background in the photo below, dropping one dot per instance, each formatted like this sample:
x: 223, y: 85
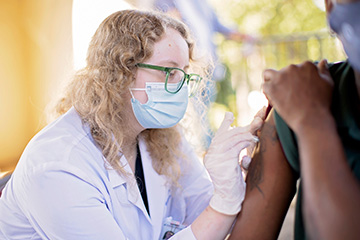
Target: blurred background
x: 43, y: 42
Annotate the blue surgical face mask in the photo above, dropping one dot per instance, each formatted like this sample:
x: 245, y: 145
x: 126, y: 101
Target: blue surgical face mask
x: 344, y: 19
x: 163, y: 109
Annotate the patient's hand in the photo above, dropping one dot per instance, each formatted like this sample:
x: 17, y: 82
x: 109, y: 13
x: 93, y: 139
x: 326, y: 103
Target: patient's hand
x: 301, y: 94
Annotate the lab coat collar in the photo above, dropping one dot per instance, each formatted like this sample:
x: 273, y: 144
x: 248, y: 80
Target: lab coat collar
x: 115, y: 178
x: 156, y: 188
x: 129, y: 182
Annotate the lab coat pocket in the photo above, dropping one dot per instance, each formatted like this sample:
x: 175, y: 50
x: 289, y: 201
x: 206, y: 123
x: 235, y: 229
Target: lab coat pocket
x: 169, y: 228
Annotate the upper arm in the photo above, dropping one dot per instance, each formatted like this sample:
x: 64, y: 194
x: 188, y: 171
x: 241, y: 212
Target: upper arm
x: 271, y: 184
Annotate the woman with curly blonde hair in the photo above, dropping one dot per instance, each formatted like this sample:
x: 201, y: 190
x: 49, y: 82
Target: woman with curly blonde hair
x: 115, y: 163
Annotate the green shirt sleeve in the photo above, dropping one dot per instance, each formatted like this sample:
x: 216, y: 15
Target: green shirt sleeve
x: 288, y: 142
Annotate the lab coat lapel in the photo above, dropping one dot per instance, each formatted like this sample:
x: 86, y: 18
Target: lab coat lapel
x: 157, y: 191
x: 132, y: 190
x: 115, y: 178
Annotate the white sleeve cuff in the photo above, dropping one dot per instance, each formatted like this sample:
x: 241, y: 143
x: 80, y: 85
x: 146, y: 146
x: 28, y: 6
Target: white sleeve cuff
x: 186, y: 233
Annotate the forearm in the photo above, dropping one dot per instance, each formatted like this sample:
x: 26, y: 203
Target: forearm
x: 212, y: 224
x: 331, y: 193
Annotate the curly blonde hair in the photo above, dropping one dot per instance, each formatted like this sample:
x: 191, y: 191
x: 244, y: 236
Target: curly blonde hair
x: 97, y: 92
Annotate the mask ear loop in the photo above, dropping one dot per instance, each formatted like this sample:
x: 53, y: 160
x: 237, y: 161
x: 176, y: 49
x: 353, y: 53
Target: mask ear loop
x: 135, y: 89
x: 132, y: 95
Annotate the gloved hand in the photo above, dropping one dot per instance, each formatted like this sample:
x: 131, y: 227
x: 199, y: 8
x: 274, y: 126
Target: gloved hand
x: 222, y: 163
x: 254, y: 128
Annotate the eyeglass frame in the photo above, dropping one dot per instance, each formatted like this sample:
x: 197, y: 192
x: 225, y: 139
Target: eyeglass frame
x: 168, y: 70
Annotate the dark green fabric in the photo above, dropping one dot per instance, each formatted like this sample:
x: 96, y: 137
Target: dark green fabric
x: 347, y: 117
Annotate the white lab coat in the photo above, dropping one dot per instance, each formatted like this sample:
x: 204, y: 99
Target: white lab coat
x: 61, y: 189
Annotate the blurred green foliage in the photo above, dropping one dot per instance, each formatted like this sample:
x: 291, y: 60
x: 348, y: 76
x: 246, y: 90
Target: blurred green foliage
x: 288, y: 31
x: 272, y: 17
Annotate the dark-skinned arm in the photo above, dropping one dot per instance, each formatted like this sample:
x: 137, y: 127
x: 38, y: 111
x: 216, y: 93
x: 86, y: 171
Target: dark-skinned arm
x: 331, y: 193
x: 302, y: 94
x: 271, y: 185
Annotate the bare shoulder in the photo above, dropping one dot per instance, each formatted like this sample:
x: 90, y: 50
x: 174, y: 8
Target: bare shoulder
x: 271, y: 185
x: 269, y: 160
x: 268, y: 149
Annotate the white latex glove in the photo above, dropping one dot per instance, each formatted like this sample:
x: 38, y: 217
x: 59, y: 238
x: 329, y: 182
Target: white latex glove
x: 222, y: 163
x: 254, y: 128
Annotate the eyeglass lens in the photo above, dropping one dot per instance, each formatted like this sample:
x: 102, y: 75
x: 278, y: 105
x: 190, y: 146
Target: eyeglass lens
x: 175, y: 81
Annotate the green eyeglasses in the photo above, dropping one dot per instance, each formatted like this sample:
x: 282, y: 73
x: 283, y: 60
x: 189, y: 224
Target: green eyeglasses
x: 175, y: 78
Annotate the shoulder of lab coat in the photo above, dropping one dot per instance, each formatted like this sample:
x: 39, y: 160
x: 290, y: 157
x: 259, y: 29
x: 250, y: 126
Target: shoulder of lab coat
x: 60, y: 184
